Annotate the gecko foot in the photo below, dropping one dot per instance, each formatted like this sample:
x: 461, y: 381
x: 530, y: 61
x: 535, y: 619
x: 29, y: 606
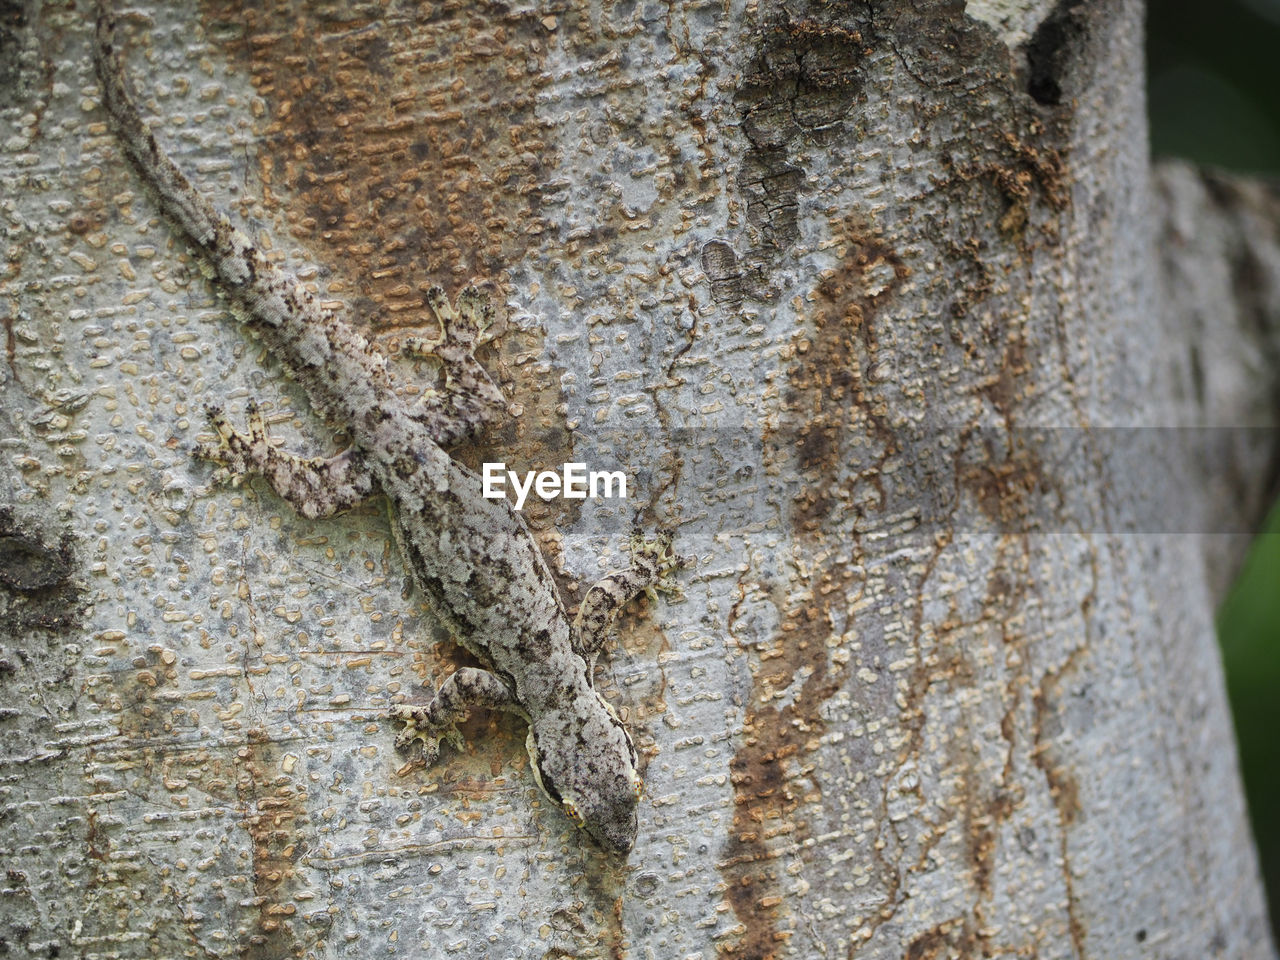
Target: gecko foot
x: 464, y: 324
x: 467, y: 396
x: 427, y: 724
x: 421, y: 737
x: 236, y: 454
x: 468, y: 321
x: 652, y: 557
x: 652, y: 570
x: 316, y: 486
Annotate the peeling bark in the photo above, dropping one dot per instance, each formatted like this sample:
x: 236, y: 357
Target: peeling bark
x: 878, y: 301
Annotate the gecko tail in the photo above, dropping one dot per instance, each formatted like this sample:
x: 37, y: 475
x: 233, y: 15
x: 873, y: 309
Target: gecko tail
x: 178, y: 198
x: 265, y: 293
x: 334, y: 362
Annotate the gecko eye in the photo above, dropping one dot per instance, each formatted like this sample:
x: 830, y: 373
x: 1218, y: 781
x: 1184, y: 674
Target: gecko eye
x: 572, y: 811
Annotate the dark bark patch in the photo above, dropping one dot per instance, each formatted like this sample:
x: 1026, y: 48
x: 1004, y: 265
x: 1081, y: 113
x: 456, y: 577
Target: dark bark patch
x: 1052, y: 50
x: 39, y: 589
x: 720, y: 264
x: 798, y: 90
x: 28, y: 565
x: 806, y: 76
x: 13, y: 29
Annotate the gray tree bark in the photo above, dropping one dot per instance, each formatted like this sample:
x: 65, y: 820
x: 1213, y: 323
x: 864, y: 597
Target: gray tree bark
x: 879, y: 302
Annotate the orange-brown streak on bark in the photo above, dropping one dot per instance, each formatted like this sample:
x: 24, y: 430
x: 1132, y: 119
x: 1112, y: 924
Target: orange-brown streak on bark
x: 406, y: 154
x: 765, y: 769
x: 828, y: 394
x: 273, y: 809
x: 408, y: 146
x: 825, y: 393
x: 1063, y: 789
x: 951, y: 938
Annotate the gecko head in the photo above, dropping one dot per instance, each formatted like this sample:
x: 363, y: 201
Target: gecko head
x: 584, y: 760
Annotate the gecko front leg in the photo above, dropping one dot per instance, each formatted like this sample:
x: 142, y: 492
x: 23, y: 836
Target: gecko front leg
x: 465, y: 688
x: 316, y: 487
x: 468, y: 397
x: 652, y: 564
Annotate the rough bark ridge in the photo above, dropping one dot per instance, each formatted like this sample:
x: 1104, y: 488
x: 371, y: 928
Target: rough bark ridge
x: 861, y: 294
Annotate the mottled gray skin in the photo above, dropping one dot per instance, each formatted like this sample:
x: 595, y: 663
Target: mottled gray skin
x: 473, y: 558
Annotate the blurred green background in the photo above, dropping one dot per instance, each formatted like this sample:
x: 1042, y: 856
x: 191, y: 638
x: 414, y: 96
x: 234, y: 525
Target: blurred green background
x: 1214, y: 93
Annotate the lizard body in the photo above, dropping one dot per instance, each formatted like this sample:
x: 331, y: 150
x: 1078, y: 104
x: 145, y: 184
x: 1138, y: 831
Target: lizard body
x: 473, y: 558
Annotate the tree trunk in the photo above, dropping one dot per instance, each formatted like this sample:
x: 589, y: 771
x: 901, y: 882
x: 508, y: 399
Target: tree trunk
x: 869, y: 300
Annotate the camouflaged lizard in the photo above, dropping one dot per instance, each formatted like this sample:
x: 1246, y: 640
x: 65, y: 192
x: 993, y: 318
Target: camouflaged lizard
x: 473, y: 558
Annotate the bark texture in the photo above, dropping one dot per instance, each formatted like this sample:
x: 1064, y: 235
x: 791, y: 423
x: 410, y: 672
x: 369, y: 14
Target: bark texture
x: 870, y: 298
x: 1219, y: 265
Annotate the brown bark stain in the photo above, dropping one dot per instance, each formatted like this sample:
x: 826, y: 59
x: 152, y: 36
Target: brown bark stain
x: 274, y: 808
x: 983, y: 806
x: 1063, y: 787
x: 407, y: 141
x: 10, y: 342
x: 826, y: 400
x: 1008, y: 482
x: 992, y: 179
x: 1004, y: 473
x: 1003, y: 480
x: 767, y: 769
x: 986, y: 806
x: 831, y: 391
x: 404, y: 150
x: 951, y: 938
x: 1007, y: 476
x: 592, y: 926
x: 1020, y: 171
x: 96, y: 845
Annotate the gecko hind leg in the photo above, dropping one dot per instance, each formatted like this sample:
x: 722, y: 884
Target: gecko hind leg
x: 430, y: 724
x: 468, y: 397
x: 652, y: 568
x: 316, y: 487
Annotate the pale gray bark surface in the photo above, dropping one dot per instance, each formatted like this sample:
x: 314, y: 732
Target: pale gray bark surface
x: 943, y: 683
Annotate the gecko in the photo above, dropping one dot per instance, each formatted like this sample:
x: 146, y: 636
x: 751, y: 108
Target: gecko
x: 473, y: 559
